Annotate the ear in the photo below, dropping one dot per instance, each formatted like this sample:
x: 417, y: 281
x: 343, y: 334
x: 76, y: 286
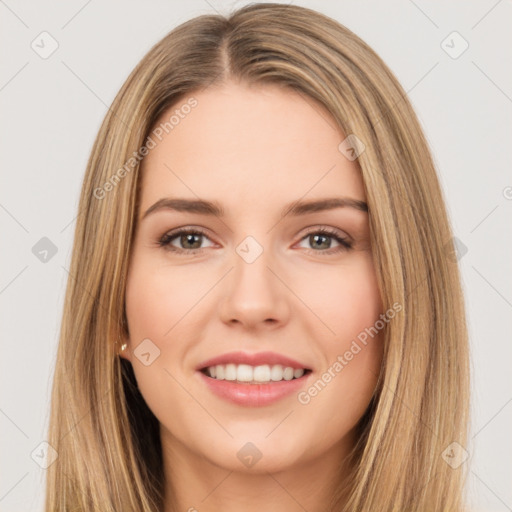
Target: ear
x: 124, y: 343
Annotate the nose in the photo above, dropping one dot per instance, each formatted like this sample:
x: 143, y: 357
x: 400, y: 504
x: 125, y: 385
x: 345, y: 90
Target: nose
x: 255, y: 294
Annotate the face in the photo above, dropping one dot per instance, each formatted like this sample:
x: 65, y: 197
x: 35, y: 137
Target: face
x: 253, y: 287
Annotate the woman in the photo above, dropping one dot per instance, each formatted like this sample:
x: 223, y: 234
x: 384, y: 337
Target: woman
x: 309, y: 351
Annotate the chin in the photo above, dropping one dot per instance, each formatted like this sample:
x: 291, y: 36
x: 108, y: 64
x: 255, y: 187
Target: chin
x: 256, y: 454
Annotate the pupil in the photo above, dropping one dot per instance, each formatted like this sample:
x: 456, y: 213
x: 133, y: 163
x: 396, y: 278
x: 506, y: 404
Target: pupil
x: 316, y: 237
x: 189, y: 238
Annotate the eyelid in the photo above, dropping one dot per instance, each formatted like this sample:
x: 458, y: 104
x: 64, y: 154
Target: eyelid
x: 305, y: 231
x: 327, y: 229
x: 173, y: 233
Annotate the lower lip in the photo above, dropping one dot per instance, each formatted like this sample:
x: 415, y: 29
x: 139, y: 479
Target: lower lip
x: 254, y: 395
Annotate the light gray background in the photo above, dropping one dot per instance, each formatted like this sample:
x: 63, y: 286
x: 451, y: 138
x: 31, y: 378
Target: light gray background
x: 52, y: 109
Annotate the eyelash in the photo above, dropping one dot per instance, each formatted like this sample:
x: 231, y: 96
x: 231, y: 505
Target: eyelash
x: 165, y: 241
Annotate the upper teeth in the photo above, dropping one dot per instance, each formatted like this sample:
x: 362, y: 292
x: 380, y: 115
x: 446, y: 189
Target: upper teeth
x: 247, y: 373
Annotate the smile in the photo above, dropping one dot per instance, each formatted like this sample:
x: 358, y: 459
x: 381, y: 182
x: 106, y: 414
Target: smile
x: 247, y: 374
x: 238, y: 384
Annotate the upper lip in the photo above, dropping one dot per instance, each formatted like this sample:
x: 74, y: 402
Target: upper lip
x: 255, y: 359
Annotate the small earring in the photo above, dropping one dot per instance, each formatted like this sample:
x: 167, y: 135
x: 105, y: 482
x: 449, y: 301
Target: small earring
x: 123, y: 346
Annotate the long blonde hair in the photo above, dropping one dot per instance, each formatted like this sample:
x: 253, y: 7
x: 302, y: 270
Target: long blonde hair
x: 107, y: 440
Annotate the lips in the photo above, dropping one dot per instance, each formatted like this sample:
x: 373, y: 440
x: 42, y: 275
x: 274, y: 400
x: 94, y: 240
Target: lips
x: 287, y: 376
x: 255, y: 359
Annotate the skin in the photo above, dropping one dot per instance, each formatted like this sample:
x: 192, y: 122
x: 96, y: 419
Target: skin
x: 254, y: 150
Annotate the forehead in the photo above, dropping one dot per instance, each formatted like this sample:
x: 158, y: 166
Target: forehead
x: 266, y: 144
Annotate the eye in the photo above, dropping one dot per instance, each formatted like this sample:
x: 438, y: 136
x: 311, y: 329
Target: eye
x: 189, y: 239
x: 319, y: 239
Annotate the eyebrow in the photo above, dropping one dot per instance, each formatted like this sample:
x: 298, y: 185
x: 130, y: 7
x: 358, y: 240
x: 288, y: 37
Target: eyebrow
x: 295, y: 208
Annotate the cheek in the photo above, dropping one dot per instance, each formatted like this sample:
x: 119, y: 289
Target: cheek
x: 359, y: 344
x: 345, y: 298
x: 164, y: 304
x: 154, y: 307
x: 158, y: 299
x: 350, y: 304
x: 359, y: 302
